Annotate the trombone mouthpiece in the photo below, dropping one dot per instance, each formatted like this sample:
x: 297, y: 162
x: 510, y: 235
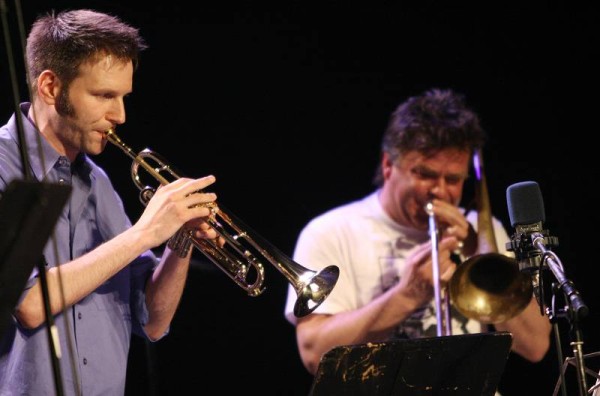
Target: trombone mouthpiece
x: 429, y: 208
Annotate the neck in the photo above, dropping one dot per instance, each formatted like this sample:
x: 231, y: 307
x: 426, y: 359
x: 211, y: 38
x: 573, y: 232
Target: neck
x: 46, y: 120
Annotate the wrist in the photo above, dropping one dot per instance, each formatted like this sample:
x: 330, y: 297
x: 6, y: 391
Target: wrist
x: 469, y: 247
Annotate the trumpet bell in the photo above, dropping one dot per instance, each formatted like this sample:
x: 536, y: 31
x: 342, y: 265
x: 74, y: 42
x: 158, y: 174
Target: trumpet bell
x: 243, y: 252
x: 314, y: 291
x: 490, y: 288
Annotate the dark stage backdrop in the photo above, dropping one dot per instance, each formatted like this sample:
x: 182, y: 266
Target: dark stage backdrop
x: 286, y: 103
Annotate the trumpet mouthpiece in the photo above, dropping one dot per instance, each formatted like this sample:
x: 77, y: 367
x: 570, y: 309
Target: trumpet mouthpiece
x: 112, y: 137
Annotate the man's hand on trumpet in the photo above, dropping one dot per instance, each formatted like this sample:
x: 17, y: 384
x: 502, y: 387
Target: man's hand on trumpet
x: 176, y: 204
x: 202, y: 228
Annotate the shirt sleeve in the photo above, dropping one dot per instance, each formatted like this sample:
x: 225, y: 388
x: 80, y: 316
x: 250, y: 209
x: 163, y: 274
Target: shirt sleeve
x: 317, y: 247
x: 141, y: 269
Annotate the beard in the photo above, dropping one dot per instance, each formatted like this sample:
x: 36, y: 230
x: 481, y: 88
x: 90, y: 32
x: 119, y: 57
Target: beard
x: 63, y: 104
x: 74, y: 135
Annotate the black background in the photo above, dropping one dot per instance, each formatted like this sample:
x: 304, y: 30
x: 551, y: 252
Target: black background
x: 285, y: 104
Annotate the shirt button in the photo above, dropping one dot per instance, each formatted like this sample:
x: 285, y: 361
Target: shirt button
x: 79, y: 315
x: 84, y: 361
x: 61, y: 181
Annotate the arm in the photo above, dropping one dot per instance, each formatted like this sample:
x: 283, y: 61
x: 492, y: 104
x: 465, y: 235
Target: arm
x: 164, y: 291
x: 318, y: 333
x: 172, y: 206
x: 375, y: 321
x: 531, y: 332
x: 530, y: 329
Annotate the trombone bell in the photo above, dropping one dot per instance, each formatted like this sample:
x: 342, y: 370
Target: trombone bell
x: 490, y: 288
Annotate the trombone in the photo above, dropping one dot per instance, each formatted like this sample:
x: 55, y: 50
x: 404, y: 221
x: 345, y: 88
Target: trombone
x: 240, y: 257
x: 488, y: 286
x: 442, y: 302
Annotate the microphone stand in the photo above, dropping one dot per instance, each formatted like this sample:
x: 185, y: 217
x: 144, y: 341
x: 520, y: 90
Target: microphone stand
x: 576, y: 308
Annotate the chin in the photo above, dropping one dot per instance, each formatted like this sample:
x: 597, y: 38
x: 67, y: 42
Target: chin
x: 422, y: 227
x: 95, y: 149
x: 422, y: 220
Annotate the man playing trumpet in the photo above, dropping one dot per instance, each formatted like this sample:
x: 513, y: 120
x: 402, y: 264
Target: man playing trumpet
x: 104, y: 283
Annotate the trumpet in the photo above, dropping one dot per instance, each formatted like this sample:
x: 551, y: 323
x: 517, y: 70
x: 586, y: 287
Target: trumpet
x: 488, y: 286
x: 241, y: 254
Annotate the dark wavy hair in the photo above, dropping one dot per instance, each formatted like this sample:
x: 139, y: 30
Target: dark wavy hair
x: 435, y: 120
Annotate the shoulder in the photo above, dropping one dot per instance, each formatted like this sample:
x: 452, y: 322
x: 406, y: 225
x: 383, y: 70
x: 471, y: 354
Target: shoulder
x: 10, y: 160
x: 342, y: 214
x: 7, y: 141
x: 500, y: 232
x: 472, y: 217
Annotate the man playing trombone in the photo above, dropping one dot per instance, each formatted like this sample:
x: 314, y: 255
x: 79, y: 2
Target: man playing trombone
x: 382, y: 246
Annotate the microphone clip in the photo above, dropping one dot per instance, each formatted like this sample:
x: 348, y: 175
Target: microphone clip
x: 529, y: 257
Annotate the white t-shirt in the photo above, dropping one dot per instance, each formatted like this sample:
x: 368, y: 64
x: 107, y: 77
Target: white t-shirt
x: 369, y: 248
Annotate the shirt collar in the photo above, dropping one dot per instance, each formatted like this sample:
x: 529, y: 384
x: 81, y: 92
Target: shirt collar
x: 81, y: 166
x: 42, y: 156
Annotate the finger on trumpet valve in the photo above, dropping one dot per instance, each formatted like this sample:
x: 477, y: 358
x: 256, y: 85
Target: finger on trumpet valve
x: 212, y: 206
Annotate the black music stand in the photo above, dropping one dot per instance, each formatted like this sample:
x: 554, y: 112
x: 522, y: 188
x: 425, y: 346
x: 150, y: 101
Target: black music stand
x: 28, y: 214
x: 459, y: 365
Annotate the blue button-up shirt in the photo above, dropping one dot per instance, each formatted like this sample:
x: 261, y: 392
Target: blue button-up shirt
x: 94, y: 333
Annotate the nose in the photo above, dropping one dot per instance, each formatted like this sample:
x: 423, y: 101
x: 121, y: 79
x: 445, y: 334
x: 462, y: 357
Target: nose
x: 439, y: 189
x: 116, y: 113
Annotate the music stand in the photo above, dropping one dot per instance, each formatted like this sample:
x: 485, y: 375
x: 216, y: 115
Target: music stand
x: 469, y: 364
x: 28, y: 214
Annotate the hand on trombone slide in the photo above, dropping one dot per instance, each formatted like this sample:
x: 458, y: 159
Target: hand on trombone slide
x: 417, y: 281
x: 452, y: 222
x: 456, y: 237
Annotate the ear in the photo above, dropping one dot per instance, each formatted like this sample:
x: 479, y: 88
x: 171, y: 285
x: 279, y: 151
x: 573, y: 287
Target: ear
x: 386, y: 166
x: 48, y: 87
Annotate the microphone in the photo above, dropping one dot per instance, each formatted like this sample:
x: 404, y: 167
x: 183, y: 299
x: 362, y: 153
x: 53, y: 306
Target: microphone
x: 532, y: 244
x: 526, y: 212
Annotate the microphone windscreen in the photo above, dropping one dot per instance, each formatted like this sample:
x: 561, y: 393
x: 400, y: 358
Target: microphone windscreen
x: 525, y: 203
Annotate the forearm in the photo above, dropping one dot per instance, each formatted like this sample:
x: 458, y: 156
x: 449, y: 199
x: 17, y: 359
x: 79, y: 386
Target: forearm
x: 72, y: 281
x: 164, y: 291
x: 531, y: 332
x: 373, y: 322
